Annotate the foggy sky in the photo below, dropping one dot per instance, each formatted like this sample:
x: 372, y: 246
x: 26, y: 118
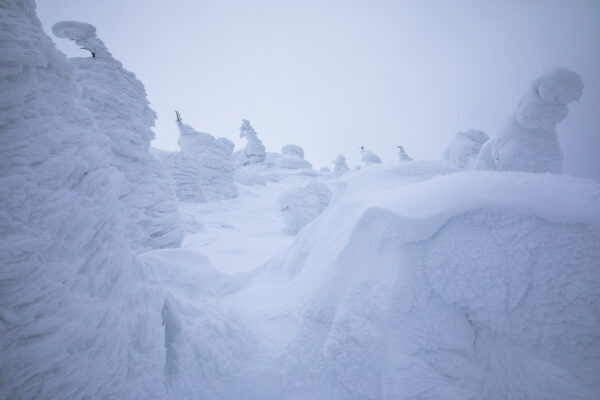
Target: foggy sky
x: 331, y: 76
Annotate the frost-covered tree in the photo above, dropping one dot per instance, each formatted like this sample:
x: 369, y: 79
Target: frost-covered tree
x: 212, y: 159
x: 254, y: 152
x: 528, y: 140
x: 75, y: 322
x: 402, y: 156
x: 117, y: 100
x: 464, y: 148
x: 292, y: 157
x: 369, y: 157
x: 339, y: 165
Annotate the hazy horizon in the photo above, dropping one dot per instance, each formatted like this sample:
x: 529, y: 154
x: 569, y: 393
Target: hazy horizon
x: 333, y: 76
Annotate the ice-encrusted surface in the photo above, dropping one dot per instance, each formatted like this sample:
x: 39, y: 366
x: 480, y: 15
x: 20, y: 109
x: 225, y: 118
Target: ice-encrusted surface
x: 528, y: 140
x: 117, y: 101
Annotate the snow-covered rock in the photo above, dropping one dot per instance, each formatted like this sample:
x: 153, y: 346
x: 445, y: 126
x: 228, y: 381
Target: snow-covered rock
x: 254, y: 152
x: 464, y: 147
x: 76, y: 317
x: 301, y: 205
x: 369, y: 157
x: 402, y: 155
x: 339, y: 166
x: 292, y: 157
x: 118, y: 103
x: 528, y: 140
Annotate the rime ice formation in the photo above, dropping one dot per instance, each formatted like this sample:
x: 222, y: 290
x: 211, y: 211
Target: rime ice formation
x: 254, y: 152
x: 402, y: 156
x: 528, y: 140
x: 464, y: 147
x: 368, y: 157
x: 301, y: 205
x: 118, y: 103
x: 203, y: 170
x: 339, y: 165
x: 77, y: 320
x: 292, y: 157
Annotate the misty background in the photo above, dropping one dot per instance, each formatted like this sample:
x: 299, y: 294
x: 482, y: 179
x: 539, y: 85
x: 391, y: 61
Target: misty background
x: 331, y: 76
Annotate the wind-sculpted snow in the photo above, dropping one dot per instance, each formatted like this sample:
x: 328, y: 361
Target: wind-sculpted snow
x: 254, y: 152
x: 339, y: 166
x: 464, y: 147
x: 117, y: 101
x: 528, y: 140
x: 292, y: 157
x: 369, y: 158
x: 301, y: 205
x: 402, y: 155
x: 466, y: 285
x: 76, y: 320
x: 203, y: 170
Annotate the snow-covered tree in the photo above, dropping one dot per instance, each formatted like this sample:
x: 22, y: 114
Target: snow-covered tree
x: 292, y: 157
x: 528, y: 140
x: 339, y: 165
x: 369, y: 157
x: 117, y: 100
x: 76, y: 321
x: 402, y: 156
x: 254, y: 152
x: 464, y: 148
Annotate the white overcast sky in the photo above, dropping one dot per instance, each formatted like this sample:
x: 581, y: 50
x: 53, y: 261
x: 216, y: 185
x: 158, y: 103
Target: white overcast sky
x: 331, y: 76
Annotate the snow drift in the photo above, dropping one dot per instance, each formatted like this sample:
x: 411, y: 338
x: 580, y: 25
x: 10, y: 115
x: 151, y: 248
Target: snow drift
x: 118, y: 103
x: 76, y: 320
x: 528, y: 141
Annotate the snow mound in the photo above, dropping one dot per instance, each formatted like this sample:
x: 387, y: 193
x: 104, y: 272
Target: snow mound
x: 369, y: 158
x: 463, y: 285
x: 292, y: 157
x: 301, y: 205
x: 339, y: 166
x: 528, y: 140
x: 254, y: 152
x: 118, y: 103
x: 462, y: 151
x: 76, y: 317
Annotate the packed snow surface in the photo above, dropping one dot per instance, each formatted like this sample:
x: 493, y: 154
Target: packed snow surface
x: 404, y: 280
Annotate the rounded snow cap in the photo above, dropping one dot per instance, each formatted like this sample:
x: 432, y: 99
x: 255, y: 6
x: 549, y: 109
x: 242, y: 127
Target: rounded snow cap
x: 340, y: 159
x: 84, y: 35
x: 560, y: 86
x: 292, y: 150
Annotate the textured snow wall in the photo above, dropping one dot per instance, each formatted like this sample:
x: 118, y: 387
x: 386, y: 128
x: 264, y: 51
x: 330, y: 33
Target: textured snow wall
x: 301, y: 205
x: 402, y: 155
x: 74, y: 323
x: 118, y: 103
x: 478, y: 285
x: 254, y: 152
x: 528, y: 140
x: 339, y: 165
x: 292, y: 157
x: 185, y: 171
x: 464, y: 148
x: 213, y: 159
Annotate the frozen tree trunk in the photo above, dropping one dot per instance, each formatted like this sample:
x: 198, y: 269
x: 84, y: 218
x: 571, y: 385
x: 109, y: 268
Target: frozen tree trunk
x: 118, y: 103
x: 528, y: 140
x: 75, y: 323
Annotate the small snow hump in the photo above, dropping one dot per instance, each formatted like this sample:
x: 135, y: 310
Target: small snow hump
x: 369, y: 157
x: 402, y: 155
x: 528, y: 141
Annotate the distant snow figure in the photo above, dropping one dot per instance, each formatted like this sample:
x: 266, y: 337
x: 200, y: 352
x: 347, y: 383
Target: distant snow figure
x: 203, y: 170
x: 339, y: 166
x: 464, y: 148
x: 117, y: 101
x: 324, y: 170
x: 301, y: 205
x: 292, y: 157
x: 402, y: 156
x: 369, y: 157
x: 254, y: 152
x: 528, y: 140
